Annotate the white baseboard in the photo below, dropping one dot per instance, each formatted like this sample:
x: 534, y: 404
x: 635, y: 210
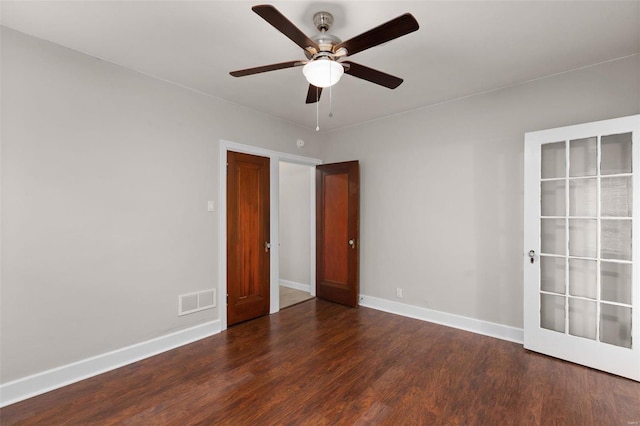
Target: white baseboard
x: 486, y: 328
x: 36, y: 384
x: 39, y: 383
x: 295, y: 285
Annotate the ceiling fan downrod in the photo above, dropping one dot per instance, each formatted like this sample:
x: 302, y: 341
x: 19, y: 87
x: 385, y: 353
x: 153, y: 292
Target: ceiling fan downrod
x: 325, y: 41
x: 322, y: 21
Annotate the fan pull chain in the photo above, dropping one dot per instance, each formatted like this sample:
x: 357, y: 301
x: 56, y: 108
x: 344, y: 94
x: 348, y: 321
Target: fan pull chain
x: 317, y: 111
x: 330, y: 98
x: 330, y: 103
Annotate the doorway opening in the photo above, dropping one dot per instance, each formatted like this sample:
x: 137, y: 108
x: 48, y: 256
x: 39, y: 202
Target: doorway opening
x: 274, y: 262
x: 296, y: 188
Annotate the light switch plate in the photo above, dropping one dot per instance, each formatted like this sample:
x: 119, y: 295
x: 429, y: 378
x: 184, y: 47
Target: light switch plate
x: 209, y: 206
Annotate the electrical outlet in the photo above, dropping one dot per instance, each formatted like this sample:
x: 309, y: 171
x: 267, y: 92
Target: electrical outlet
x: 399, y: 293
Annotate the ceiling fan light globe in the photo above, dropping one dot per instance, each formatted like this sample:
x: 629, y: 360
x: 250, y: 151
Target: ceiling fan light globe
x: 323, y: 72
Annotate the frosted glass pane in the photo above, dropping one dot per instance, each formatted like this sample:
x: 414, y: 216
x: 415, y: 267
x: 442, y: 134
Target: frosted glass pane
x: 552, y: 274
x: 616, y: 196
x: 552, y: 312
x: 615, y: 282
x: 616, y: 154
x: 616, y: 239
x: 582, y: 157
x: 583, y: 198
x: 582, y: 237
x: 552, y: 236
x: 552, y: 198
x: 583, y: 275
x: 583, y: 318
x: 615, y: 325
x: 553, y: 160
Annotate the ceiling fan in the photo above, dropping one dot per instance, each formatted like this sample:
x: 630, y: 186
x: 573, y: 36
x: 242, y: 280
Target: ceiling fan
x: 325, y: 52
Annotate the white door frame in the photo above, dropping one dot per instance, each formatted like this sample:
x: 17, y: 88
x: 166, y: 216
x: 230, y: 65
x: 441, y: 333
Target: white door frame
x: 274, y: 211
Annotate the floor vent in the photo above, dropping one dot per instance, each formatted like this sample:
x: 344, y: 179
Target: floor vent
x: 195, y: 302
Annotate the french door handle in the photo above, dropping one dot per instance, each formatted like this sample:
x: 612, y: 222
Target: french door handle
x: 532, y: 255
x: 352, y: 243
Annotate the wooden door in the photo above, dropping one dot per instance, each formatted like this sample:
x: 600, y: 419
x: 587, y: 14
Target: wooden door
x: 581, y: 254
x: 247, y: 237
x: 337, y: 232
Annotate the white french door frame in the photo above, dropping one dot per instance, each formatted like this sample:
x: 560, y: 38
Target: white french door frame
x: 274, y: 211
x: 614, y: 359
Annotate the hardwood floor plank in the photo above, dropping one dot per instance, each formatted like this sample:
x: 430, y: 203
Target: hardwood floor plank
x: 319, y: 363
x: 374, y: 415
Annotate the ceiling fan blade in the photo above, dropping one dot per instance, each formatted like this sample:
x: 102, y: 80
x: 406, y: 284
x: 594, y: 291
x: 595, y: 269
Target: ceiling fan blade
x: 402, y: 25
x: 265, y: 68
x: 313, y: 94
x: 374, y: 76
x: 282, y: 24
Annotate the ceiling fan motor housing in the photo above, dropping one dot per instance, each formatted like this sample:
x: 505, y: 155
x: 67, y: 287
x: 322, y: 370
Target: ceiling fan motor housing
x: 325, y: 41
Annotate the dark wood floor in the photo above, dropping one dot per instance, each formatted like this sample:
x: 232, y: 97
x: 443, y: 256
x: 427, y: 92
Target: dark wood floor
x: 320, y: 363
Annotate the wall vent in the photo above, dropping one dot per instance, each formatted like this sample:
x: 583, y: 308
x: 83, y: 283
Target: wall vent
x: 195, y: 302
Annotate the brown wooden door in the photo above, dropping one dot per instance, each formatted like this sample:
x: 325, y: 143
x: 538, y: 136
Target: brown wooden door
x: 337, y: 232
x: 247, y: 237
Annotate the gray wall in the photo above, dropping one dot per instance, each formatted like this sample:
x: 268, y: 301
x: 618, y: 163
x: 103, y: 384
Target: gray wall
x: 295, y: 225
x: 442, y: 188
x: 106, y: 175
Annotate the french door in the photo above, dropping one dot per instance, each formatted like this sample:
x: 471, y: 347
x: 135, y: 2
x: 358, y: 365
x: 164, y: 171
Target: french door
x: 582, y: 245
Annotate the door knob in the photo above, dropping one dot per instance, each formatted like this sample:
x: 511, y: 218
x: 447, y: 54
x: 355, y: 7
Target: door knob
x: 352, y: 243
x: 267, y: 246
x: 532, y: 255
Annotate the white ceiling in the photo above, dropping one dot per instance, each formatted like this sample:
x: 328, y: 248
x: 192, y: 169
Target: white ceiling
x: 462, y: 47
